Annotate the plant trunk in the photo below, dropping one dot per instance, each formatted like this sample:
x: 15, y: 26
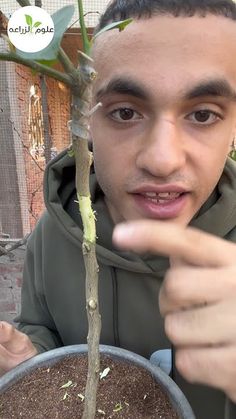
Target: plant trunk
x: 83, y: 157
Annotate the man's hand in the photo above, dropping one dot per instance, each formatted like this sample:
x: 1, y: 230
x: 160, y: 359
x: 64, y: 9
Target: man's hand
x: 15, y: 347
x: 197, y: 299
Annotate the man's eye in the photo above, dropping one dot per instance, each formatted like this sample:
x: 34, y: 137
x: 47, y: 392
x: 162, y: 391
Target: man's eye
x: 204, y: 117
x: 125, y: 114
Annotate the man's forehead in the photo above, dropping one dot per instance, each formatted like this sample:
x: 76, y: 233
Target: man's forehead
x: 155, y: 27
x: 191, y: 63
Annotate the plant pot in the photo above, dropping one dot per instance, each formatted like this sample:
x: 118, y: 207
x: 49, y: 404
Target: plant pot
x: 50, y: 360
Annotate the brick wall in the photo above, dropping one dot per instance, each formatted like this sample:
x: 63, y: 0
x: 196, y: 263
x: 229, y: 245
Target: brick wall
x: 22, y: 172
x: 58, y: 101
x: 33, y: 170
x: 11, y: 268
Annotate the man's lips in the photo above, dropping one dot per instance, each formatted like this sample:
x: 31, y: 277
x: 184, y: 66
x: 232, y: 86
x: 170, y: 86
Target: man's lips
x: 160, y: 202
x: 167, y: 188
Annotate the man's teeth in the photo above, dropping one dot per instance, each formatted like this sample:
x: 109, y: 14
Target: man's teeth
x: 161, y: 197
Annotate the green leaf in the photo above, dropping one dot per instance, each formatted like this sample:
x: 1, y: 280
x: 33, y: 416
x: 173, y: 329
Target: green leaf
x: 61, y: 19
x: 48, y: 63
x: 121, y: 25
x: 37, y: 24
x: 29, y: 20
x: 84, y: 33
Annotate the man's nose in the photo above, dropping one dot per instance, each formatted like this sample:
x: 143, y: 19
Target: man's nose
x: 162, y: 152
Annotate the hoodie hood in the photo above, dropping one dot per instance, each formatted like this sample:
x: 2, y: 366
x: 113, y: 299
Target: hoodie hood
x: 217, y: 216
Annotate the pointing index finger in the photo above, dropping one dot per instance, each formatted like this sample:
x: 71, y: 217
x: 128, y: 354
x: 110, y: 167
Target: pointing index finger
x: 191, y: 245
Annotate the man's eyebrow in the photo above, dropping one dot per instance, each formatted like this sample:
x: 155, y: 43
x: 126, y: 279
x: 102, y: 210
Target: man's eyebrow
x: 217, y: 87
x: 123, y: 86
x: 211, y: 87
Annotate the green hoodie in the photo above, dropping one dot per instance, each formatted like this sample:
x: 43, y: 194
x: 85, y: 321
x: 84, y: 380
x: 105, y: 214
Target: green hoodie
x: 53, y: 295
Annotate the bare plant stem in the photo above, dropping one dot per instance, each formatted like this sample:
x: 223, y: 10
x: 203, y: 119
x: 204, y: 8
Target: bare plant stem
x: 83, y: 158
x: 80, y: 83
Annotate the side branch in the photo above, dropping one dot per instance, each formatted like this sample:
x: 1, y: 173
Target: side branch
x: 66, y: 62
x: 43, y: 69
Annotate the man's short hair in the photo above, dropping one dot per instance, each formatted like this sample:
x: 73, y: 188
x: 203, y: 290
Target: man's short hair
x: 123, y: 9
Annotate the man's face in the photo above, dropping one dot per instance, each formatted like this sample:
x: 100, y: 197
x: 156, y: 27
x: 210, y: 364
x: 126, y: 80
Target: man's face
x: 168, y: 89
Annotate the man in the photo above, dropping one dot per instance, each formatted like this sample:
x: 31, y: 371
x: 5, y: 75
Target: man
x: 161, y: 139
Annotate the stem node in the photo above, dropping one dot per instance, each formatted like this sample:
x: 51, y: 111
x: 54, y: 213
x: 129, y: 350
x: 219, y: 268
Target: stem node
x: 92, y: 304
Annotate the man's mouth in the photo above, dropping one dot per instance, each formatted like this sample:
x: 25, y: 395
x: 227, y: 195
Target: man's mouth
x: 162, y: 197
x: 161, y: 204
